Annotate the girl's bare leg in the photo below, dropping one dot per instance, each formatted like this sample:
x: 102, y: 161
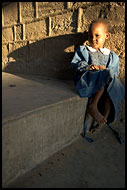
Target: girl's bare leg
x: 93, y: 110
x: 107, y: 108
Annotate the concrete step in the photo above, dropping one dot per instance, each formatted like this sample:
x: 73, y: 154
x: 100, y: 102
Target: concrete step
x: 40, y: 116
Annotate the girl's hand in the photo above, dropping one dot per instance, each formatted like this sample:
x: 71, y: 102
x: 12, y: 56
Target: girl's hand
x: 94, y: 67
x: 102, y: 67
x: 97, y: 67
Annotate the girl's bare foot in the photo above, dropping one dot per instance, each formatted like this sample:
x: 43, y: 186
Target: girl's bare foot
x: 96, y: 128
x: 97, y: 116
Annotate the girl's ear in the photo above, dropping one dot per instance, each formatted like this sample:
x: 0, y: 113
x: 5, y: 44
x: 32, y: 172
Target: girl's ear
x: 107, y: 35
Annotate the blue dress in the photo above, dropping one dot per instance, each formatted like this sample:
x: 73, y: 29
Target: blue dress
x: 89, y: 82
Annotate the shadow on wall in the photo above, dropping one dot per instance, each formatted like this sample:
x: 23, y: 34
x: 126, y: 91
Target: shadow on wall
x: 49, y: 57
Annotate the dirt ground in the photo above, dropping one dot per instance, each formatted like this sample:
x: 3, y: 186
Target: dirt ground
x: 100, y: 164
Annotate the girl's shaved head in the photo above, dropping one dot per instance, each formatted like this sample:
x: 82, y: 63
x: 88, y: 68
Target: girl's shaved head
x: 99, y: 21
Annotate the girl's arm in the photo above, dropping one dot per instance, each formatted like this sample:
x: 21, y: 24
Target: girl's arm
x: 80, y: 59
x: 114, y: 63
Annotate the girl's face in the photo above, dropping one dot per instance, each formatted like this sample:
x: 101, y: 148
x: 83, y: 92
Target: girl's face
x: 98, y: 35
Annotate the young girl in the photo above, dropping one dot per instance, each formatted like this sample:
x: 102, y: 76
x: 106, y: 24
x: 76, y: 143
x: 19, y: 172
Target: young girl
x: 97, y: 70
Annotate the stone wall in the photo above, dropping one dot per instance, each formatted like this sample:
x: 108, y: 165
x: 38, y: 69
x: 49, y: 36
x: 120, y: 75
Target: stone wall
x: 40, y: 38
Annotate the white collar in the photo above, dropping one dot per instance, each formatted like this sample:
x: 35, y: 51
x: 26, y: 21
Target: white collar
x: 103, y: 50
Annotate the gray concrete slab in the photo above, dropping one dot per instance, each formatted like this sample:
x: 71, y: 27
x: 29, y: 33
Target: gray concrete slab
x: 40, y: 117
x: 21, y: 93
x: 100, y: 164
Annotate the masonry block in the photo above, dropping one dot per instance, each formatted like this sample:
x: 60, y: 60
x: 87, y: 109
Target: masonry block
x: 17, y: 58
x: 69, y: 5
x: 36, y: 9
x: 4, y: 55
x: 36, y: 51
x: 79, y: 19
x: 7, y: 34
x: 64, y: 24
x: 47, y: 8
x: 2, y: 18
x: 88, y: 16
x: 17, y: 45
x: 117, y: 14
x: 27, y: 11
x: 17, y: 52
x: 36, y: 30
x: 24, y: 32
x: 19, y: 32
x: 10, y: 14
